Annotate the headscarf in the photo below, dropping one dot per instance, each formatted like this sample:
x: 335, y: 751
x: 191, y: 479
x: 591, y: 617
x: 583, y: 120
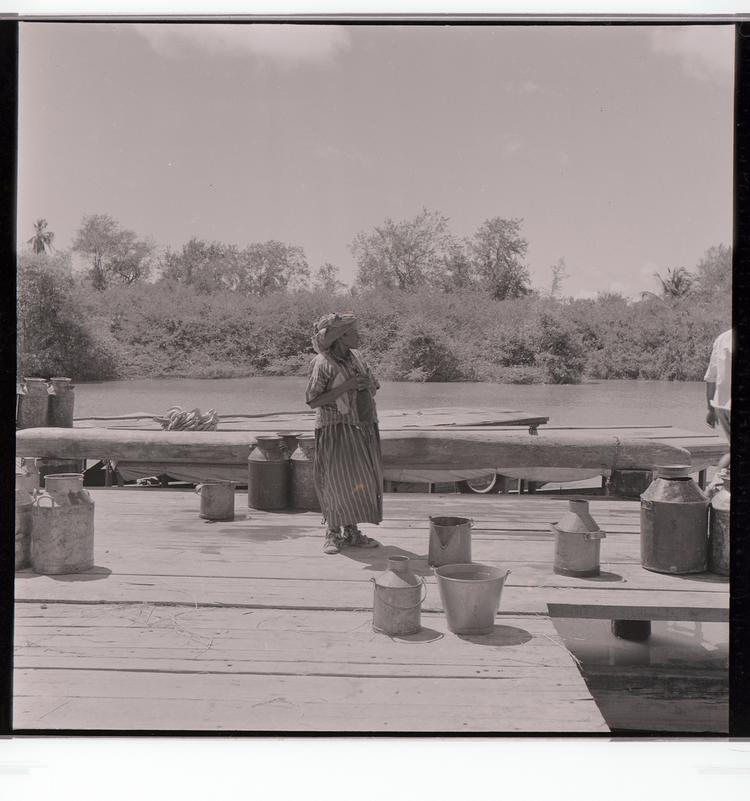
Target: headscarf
x: 329, y: 328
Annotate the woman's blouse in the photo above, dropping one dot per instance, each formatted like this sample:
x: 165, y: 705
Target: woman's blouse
x: 323, y: 370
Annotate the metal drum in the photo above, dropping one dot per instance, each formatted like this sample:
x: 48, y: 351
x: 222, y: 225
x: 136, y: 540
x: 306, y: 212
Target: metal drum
x: 718, y: 531
x: 268, y: 474
x: 61, y: 403
x: 62, y: 532
x: 674, y: 523
x: 33, y: 404
x: 304, y: 495
x: 397, y: 602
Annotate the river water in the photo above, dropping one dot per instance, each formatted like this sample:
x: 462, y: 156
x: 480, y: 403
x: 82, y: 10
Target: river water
x: 596, y: 403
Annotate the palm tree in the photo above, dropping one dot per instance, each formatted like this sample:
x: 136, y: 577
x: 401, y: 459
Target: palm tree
x: 41, y: 242
x: 677, y: 283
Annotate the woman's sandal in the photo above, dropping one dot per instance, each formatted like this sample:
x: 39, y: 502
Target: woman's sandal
x: 356, y: 539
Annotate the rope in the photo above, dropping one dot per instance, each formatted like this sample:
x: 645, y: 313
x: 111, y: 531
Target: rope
x: 178, y: 419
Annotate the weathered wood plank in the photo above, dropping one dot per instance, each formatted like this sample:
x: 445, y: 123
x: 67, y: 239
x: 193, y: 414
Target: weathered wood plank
x: 158, y: 702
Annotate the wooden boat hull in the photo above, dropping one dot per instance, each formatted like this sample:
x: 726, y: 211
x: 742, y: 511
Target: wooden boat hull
x: 405, y: 451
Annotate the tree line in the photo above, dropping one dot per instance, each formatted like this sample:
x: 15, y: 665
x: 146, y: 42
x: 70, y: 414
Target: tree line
x: 434, y: 307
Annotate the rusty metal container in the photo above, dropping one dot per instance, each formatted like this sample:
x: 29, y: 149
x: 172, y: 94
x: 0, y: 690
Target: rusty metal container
x: 24, y: 507
x: 268, y: 474
x: 33, y: 404
x: 303, y: 493
x: 397, y: 602
x: 674, y: 523
x: 61, y: 403
x: 577, y: 541
x: 62, y: 532
x: 718, y: 531
x: 217, y: 500
x: 450, y: 541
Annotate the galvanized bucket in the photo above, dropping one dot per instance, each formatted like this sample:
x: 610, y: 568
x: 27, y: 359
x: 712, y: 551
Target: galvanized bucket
x: 217, y: 500
x: 398, y: 597
x: 450, y: 541
x: 471, y: 596
x: 62, y: 532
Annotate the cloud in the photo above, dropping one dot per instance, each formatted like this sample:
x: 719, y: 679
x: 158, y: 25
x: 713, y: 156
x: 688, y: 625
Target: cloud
x: 286, y: 45
x: 333, y: 153
x: 705, y: 52
x: 523, y: 87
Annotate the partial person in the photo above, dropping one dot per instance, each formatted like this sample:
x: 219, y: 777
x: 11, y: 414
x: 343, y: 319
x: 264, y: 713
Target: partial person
x: 348, y: 464
x: 718, y: 380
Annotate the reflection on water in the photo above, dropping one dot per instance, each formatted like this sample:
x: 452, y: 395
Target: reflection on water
x: 675, y: 681
x: 602, y: 403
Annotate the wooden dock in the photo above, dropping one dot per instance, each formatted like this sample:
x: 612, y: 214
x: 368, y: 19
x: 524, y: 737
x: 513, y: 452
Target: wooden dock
x: 247, y: 626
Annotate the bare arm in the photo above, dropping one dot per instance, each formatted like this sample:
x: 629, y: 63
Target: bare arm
x: 710, y: 392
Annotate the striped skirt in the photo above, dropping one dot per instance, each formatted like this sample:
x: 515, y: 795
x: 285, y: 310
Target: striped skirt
x: 348, y: 474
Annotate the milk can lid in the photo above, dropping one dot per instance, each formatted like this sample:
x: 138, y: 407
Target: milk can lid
x: 673, y: 470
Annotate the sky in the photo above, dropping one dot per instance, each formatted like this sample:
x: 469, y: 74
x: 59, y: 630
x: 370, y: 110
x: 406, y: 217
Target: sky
x: 612, y: 144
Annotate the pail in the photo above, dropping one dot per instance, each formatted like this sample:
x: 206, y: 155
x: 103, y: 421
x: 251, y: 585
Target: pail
x: 61, y: 403
x: 24, y: 507
x: 674, y: 523
x: 268, y: 474
x: 217, y: 500
x: 398, y: 596
x: 33, y: 404
x: 303, y: 492
x: 450, y: 541
x: 718, y: 531
x: 62, y: 531
x: 471, y: 596
x: 577, y: 541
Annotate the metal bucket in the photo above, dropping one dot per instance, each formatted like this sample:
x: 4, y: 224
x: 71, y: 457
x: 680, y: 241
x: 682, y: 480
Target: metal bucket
x: 471, y: 596
x: 577, y: 542
x: 61, y: 403
x: 718, y: 531
x: 268, y: 474
x: 397, y: 602
x: 24, y: 508
x: 674, y: 523
x: 303, y: 492
x: 62, y: 532
x: 450, y: 541
x: 217, y: 500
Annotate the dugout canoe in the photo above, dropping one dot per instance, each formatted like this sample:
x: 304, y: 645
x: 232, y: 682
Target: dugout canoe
x: 402, y: 450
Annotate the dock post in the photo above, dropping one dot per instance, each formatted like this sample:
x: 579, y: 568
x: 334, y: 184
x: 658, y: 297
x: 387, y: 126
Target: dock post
x: 633, y: 630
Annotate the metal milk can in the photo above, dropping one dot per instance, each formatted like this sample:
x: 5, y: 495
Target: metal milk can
x: 718, y: 531
x: 304, y: 495
x: 61, y: 402
x: 268, y: 474
x: 62, y: 531
x: 577, y: 541
x: 24, y: 506
x: 27, y: 476
x: 217, y: 500
x: 674, y: 523
x: 289, y: 439
x: 398, y: 596
x: 33, y: 404
x: 450, y: 541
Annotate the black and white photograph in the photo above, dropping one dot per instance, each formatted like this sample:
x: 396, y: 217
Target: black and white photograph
x: 373, y: 377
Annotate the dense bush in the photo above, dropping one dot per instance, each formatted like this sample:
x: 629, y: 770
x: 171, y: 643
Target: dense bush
x: 168, y: 328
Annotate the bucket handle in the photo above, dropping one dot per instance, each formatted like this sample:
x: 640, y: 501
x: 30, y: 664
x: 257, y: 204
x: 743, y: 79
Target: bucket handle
x: 407, y: 608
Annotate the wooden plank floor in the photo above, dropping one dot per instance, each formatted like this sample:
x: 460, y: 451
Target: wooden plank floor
x: 247, y: 625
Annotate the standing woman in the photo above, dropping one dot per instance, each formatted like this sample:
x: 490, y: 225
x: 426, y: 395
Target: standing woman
x: 347, y: 470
